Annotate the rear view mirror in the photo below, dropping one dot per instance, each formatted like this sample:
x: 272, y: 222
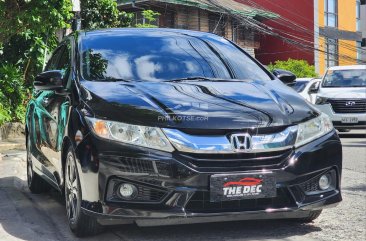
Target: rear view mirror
x: 314, y: 88
x: 285, y: 76
x: 49, y: 80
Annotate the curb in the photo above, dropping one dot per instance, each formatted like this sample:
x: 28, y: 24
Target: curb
x: 12, y: 144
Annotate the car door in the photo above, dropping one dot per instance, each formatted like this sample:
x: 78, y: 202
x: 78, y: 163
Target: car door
x: 52, y: 111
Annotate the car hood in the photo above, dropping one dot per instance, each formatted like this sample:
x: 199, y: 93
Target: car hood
x: 197, y: 104
x: 343, y: 93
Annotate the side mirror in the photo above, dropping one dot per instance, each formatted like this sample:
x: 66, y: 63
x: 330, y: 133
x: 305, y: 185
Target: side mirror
x: 314, y: 88
x: 285, y: 76
x: 49, y: 80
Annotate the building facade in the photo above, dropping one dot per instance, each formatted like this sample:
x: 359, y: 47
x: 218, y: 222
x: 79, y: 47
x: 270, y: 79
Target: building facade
x: 362, y: 23
x: 339, y: 33
x: 272, y: 48
x: 219, y: 17
x: 329, y: 32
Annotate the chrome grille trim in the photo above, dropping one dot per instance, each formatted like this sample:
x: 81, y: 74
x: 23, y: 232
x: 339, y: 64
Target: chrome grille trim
x: 221, y: 144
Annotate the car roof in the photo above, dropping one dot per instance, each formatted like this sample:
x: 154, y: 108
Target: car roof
x: 347, y: 67
x: 85, y: 34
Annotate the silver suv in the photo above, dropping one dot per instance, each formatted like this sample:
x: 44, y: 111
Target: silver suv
x: 342, y: 96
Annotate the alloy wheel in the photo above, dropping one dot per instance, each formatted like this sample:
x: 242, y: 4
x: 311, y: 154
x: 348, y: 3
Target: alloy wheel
x: 29, y: 165
x: 29, y: 171
x: 71, y: 190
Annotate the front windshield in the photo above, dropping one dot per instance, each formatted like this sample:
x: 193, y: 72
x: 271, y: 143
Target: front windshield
x: 145, y: 56
x: 345, y: 78
x: 299, y: 86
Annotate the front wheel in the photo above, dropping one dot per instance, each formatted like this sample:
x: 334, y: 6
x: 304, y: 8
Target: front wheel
x: 80, y: 224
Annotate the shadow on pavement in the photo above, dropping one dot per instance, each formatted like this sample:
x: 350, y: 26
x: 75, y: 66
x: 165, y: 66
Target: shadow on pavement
x: 42, y: 217
x: 240, y: 230
x: 356, y: 188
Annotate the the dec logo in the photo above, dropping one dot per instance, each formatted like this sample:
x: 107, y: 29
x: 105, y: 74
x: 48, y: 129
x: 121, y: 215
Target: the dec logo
x: 245, y: 187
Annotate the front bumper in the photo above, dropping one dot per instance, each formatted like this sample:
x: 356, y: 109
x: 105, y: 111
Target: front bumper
x: 337, y: 118
x: 175, y: 187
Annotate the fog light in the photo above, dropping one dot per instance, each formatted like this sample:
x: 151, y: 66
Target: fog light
x: 127, y: 191
x: 324, y: 182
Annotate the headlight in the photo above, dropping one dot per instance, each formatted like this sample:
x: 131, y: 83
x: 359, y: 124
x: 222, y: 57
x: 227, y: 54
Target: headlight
x: 313, y: 129
x: 150, y: 137
x: 321, y: 100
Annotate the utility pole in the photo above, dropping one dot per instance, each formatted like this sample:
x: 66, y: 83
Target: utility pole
x: 76, y: 22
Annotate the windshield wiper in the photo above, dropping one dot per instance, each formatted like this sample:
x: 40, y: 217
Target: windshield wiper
x: 199, y: 78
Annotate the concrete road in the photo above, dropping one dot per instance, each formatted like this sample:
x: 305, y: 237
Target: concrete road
x: 25, y: 216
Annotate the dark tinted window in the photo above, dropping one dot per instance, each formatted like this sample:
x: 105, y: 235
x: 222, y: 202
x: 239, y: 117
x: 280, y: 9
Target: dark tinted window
x: 52, y: 62
x: 345, y: 78
x: 64, y: 63
x: 153, y: 57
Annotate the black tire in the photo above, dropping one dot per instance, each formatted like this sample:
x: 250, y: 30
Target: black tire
x: 36, y: 184
x: 312, y: 216
x: 80, y: 224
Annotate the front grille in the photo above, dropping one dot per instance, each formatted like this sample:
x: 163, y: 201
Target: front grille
x: 310, y: 186
x: 236, y: 160
x: 149, y: 194
x: 137, y: 165
x: 348, y: 105
x: 129, y: 164
x: 200, y: 203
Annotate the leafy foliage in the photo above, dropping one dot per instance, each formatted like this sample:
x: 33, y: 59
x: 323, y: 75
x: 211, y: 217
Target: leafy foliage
x: 12, y: 94
x: 27, y: 29
x: 300, y: 68
x: 103, y: 14
x: 28, y: 34
x: 150, y: 16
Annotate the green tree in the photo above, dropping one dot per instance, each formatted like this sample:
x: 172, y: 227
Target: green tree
x: 150, y: 16
x: 300, y: 68
x: 27, y: 31
x: 97, y: 14
x: 12, y: 94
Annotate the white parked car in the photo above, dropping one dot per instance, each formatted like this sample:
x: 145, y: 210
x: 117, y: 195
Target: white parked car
x: 342, y: 96
x: 307, y: 88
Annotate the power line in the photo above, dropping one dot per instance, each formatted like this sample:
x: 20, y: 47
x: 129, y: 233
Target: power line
x: 271, y: 31
x: 298, y: 42
x: 300, y: 27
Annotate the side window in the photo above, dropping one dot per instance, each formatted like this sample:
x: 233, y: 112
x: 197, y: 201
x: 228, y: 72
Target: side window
x: 52, y: 62
x: 64, y: 62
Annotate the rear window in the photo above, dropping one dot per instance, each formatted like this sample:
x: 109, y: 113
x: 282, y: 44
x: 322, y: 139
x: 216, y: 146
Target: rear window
x: 153, y: 57
x: 345, y: 78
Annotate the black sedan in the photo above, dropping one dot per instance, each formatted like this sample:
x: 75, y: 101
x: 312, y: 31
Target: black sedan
x: 162, y: 127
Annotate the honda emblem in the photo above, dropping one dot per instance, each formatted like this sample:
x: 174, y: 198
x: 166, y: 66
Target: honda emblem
x: 241, y: 142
